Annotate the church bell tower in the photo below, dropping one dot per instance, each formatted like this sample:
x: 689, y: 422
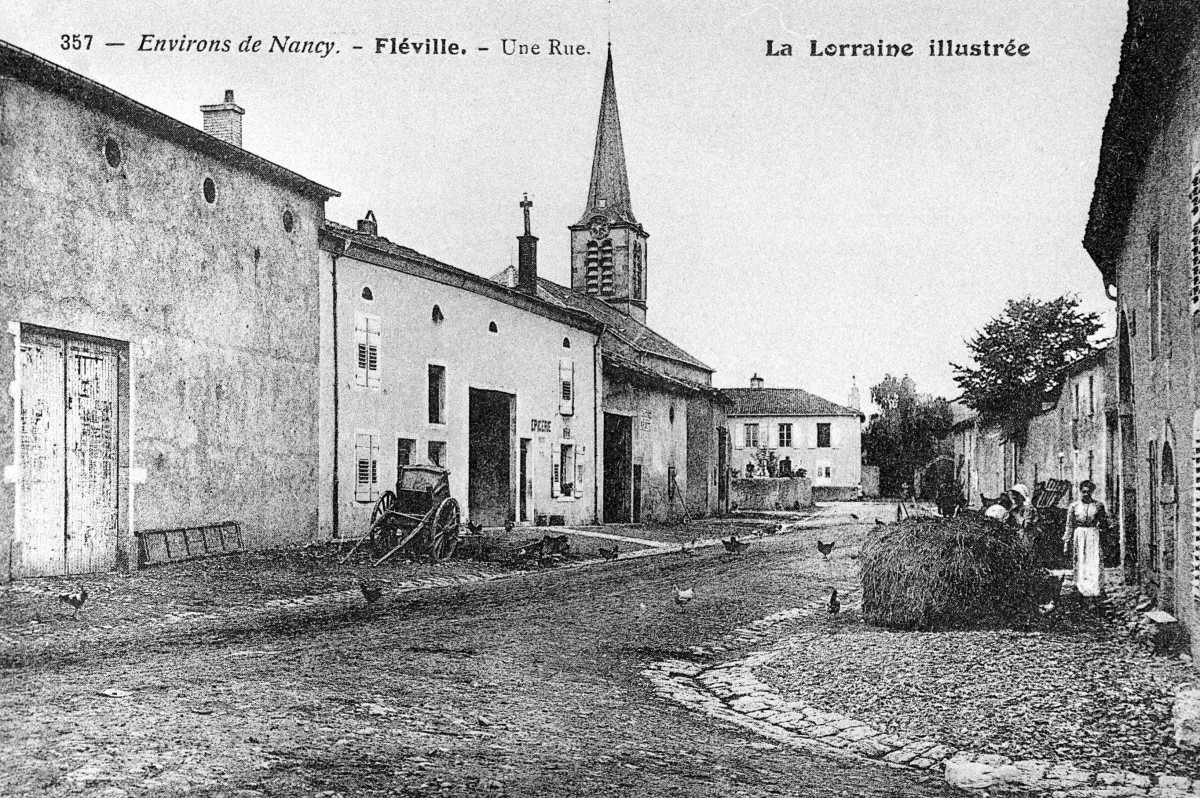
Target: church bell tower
x: 608, y: 246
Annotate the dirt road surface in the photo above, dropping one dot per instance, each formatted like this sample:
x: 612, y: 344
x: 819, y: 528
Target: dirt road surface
x: 527, y: 686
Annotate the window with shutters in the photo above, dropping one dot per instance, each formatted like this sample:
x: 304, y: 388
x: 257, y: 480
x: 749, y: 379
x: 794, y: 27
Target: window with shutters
x: 566, y: 386
x: 824, y: 435
x: 366, y: 338
x: 437, y: 453
x: 437, y: 394
x: 785, y: 436
x: 751, y: 436
x: 1196, y: 505
x: 1194, y: 203
x: 366, y: 466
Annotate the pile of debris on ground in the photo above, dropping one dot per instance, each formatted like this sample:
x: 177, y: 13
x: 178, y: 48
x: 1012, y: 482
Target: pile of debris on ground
x: 1152, y: 629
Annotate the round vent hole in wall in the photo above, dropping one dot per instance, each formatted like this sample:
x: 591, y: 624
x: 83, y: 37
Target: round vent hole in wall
x: 112, y: 152
x: 210, y: 190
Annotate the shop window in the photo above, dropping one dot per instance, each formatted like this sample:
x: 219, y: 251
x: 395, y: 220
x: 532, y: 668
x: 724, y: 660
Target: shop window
x: 563, y: 471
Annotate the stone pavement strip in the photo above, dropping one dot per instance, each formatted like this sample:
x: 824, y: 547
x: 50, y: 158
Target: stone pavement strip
x: 340, y: 599
x: 730, y: 692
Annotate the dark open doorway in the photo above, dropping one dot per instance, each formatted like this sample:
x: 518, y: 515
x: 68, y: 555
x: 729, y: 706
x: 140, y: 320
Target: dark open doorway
x: 618, y: 468
x: 489, y: 457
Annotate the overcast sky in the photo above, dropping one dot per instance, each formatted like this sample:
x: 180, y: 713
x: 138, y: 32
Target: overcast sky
x: 810, y: 219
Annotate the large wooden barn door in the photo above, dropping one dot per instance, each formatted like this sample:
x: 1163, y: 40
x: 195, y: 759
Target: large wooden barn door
x: 91, y: 411
x: 69, y: 444
x: 40, y: 525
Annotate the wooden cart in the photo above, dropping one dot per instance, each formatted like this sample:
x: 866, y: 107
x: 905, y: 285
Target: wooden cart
x: 420, y: 517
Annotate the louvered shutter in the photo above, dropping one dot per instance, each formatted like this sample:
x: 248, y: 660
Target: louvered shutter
x: 373, y: 490
x: 566, y: 385
x: 373, y: 341
x: 361, y: 351
x: 362, y: 467
x: 739, y: 439
x: 555, y: 469
x: 770, y: 428
x: 1194, y: 204
x: 578, y: 478
x: 1195, y: 505
x: 835, y: 435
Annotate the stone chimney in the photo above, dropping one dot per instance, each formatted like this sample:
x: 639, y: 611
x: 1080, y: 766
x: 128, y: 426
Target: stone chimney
x: 756, y: 382
x: 527, y: 278
x: 368, y: 225
x: 224, y: 120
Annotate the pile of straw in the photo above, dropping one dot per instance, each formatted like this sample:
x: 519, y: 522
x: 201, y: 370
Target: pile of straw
x: 939, y: 573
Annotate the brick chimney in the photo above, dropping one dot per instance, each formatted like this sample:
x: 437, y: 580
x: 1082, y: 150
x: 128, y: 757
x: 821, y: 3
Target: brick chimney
x: 756, y: 381
x: 368, y: 225
x: 224, y: 120
x: 527, y: 255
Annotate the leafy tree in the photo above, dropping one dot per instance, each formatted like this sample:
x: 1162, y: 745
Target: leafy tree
x: 906, y: 434
x: 1019, y: 356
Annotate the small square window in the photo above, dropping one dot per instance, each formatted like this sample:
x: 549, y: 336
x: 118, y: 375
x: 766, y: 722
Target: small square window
x: 437, y: 453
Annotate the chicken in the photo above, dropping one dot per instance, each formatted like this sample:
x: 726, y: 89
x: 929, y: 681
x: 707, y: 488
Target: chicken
x: 835, y: 606
x: 75, y: 599
x: 879, y: 523
x: 825, y: 548
x: 689, y: 547
x: 734, y: 546
x: 370, y: 592
x: 474, y: 528
x: 610, y: 554
x: 682, y: 597
x: 773, y: 529
x: 855, y: 517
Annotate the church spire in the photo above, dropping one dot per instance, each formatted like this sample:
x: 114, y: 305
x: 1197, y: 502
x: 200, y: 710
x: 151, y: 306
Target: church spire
x: 608, y: 193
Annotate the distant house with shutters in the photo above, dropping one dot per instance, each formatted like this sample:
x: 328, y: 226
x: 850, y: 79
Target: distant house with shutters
x: 814, y: 434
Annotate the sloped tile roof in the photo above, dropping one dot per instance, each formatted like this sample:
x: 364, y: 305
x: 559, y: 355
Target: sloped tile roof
x: 621, y: 332
x: 782, y: 402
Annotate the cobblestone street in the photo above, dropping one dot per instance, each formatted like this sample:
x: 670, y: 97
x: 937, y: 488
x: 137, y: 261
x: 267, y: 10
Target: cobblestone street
x: 518, y: 686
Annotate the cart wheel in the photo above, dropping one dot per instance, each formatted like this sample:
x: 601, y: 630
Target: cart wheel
x: 443, y: 537
x: 382, y: 506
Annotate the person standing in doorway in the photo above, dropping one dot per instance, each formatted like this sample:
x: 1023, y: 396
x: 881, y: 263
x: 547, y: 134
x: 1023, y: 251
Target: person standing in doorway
x: 1086, y: 518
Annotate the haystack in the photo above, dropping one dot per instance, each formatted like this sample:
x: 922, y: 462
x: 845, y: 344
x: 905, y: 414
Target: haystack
x: 939, y: 573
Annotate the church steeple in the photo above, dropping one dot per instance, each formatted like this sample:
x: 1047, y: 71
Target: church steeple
x: 608, y: 192
x: 608, y: 246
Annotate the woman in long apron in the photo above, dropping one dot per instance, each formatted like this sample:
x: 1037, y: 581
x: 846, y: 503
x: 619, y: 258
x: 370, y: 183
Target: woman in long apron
x: 1085, y: 519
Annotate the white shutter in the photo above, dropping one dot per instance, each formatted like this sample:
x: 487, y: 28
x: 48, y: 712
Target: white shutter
x: 373, y: 339
x: 555, y: 468
x: 578, y: 478
x: 1194, y: 204
x: 1195, y: 504
x: 739, y: 439
x: 362, y: 467
x: 835, y: 436
x: 374, y: 488
x: 566, y: 386
x: 361, y: 354
x: 771, y: 429
x: 810, y: 435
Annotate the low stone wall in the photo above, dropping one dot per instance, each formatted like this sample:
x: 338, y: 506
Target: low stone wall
x: 770, y: 494
x: 832, y: 493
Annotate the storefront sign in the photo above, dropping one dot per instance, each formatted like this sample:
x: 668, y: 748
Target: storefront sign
x: 539, y: 425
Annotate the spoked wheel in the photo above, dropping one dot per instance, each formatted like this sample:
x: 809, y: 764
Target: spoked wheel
x: 382, y: 538
x: 443, y: 535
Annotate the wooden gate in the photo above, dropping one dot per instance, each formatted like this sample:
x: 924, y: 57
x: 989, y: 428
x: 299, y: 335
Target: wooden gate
x: 69, y: 448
